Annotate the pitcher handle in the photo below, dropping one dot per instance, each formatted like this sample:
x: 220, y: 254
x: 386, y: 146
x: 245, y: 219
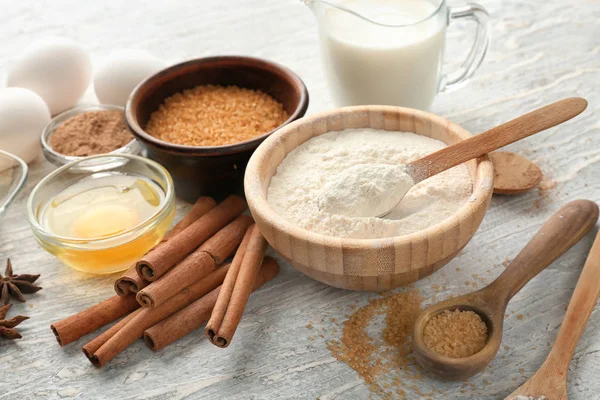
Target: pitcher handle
x: 475, y: 12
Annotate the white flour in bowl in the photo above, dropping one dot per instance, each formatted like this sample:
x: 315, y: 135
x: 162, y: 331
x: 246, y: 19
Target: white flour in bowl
x: 300, y: 181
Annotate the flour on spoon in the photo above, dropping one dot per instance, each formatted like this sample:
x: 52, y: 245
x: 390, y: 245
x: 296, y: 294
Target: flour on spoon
x: 366, y: 190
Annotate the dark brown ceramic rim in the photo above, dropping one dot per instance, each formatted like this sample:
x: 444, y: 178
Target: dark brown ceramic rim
x: 145, y: 88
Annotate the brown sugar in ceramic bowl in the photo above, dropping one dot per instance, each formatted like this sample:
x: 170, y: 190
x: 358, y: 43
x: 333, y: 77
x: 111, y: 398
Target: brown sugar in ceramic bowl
x: 366, y: 264
x: 211, y: 170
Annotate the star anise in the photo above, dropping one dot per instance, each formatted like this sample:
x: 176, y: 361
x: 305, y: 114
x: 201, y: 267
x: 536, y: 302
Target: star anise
x: 7, y: 326
x: 12, y: 285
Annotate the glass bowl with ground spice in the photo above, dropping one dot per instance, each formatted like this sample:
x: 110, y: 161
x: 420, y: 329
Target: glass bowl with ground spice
x: 102, y: 213
x: 203, y: 119
x: 87, y: 131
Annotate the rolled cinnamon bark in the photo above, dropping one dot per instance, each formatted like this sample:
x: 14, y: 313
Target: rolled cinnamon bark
x: 193, y: 316
x: 224, y: 242
x: 224, y: 330
x: 151, y: 316
x: 197, y: 265
x: 91, y: 347
x: 87, y: 321
x: 203, y: 205
x: 227, y: 288
x: 131, y: 282
x: 156, y: 263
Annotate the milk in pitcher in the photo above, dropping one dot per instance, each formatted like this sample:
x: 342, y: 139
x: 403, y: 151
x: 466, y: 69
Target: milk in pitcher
x: 391, y: 54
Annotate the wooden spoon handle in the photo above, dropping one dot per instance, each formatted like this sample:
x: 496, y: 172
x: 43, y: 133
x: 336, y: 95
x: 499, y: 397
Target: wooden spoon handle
x: 500, y: 136
x: 580, y: 308
x: 564, y: 228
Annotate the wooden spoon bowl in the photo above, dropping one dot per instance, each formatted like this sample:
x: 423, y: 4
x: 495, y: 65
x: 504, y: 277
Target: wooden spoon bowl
x: 565, y: 228
x: 514, y: 174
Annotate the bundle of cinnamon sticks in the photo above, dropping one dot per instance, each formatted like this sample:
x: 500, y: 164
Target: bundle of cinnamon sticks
x: 173, y: 289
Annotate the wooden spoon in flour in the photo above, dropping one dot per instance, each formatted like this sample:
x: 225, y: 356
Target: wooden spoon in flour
x: 514, y: 174
x: 365, y: 190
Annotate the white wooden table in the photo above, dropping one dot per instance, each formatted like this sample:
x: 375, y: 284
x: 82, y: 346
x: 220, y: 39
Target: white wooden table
x: 542, y: 51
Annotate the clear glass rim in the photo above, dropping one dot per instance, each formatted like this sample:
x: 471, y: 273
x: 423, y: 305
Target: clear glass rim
x: 163, y: 210
x: 19, y: 184
x: 358, y: 15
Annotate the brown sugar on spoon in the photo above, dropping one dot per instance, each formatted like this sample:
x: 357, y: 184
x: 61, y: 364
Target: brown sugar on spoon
x: 91, y: 133
x: 514, y: 174
x: 456, y: 334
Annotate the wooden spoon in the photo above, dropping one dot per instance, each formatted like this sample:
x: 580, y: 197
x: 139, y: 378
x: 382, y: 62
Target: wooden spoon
x: 565, y: 228
x: 551, y: 379
x: 514, y: 174
x: 374, y: 204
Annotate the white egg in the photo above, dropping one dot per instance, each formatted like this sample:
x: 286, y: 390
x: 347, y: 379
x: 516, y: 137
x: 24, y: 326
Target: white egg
x: 121, y: 72
x: 57, y: 69
x: 23, y: 116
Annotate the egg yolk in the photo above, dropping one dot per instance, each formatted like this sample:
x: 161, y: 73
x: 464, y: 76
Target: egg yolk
x: 103, y: 221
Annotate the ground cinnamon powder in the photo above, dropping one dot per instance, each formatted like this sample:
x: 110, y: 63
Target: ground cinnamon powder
x: 91, y: 133
x: 456, y: 333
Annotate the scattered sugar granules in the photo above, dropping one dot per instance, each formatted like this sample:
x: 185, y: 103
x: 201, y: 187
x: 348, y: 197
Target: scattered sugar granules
x: 390, y: 353
x: 455, y: 334
x: 519, y: 397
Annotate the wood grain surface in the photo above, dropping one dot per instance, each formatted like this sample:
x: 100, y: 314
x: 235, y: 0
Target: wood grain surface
x: 541, y: 51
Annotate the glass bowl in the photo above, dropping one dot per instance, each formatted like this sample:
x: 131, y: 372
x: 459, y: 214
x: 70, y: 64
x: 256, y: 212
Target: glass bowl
x: 13, y: 173
x: 111, y: 253
x: 60, y: 159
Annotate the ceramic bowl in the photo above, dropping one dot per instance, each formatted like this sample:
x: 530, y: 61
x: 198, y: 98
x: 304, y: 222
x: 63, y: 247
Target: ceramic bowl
x: 211, y: 170
x: 59, y: 159
x: 366, y: 264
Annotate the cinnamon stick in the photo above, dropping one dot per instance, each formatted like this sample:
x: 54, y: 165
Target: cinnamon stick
x: 131, y: 282
x: 91, y: 347
x: 203, y: 205
x: 147, y: 317
x: 156, y: 263
x: 220, y: 332
x: 87, y: 321
x: 227, y: 288
x: 193, y: 316
x: 197, y: 265
x: 224, y: 242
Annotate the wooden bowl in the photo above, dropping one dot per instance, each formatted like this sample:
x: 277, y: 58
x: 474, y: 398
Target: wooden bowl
x: 210, y: 170
x: 365, y: 264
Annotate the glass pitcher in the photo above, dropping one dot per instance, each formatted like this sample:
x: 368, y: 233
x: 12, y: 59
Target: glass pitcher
x: 390, y: 52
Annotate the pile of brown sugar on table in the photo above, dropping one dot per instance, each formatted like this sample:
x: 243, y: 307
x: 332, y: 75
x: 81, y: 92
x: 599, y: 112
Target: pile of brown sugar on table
x: 210, y: 115
x: 384, y: 359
